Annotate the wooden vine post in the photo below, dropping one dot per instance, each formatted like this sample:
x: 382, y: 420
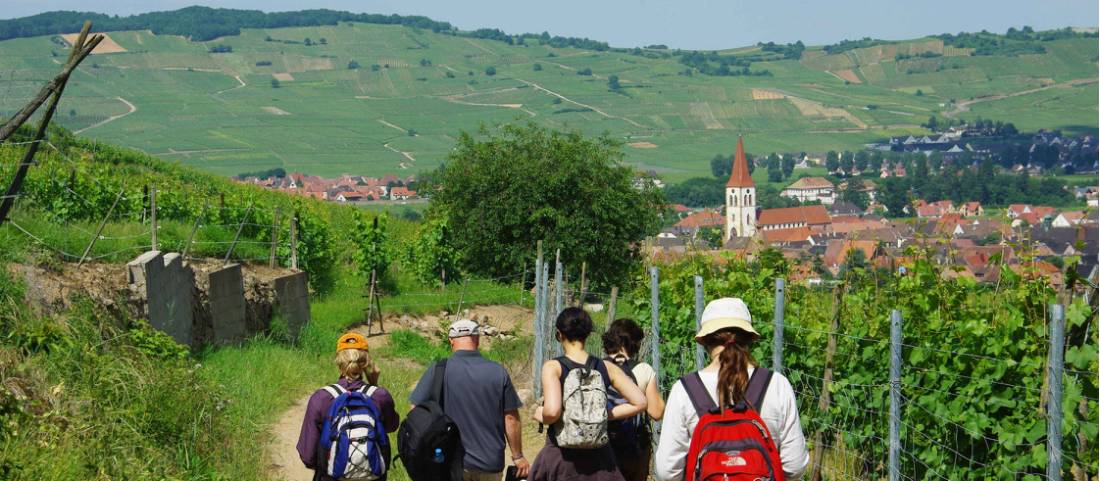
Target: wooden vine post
x: 827, y: 380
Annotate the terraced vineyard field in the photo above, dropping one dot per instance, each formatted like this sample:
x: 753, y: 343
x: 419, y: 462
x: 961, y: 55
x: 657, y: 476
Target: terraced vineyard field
x: 274, y: 101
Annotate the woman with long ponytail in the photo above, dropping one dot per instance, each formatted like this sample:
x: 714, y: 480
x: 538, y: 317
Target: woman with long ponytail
x: 726, y: 333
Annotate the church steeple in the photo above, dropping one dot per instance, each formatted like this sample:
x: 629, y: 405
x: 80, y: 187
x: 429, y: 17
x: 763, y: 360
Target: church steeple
x: 740, y: 197
x: 740, y: 177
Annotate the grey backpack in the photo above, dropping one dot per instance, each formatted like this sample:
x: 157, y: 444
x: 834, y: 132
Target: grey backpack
x: 583, y: 423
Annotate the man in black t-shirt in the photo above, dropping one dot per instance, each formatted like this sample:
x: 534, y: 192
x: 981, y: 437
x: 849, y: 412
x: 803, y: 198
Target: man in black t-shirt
x: 480, y: 399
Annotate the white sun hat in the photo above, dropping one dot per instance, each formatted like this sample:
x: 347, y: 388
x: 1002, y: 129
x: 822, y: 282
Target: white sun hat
x: 724, y: 313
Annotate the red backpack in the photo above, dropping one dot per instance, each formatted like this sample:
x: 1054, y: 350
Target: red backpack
x: 731, y: 444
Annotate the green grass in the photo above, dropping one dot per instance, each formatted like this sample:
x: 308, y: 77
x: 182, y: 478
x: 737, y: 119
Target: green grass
x: 343, y: 120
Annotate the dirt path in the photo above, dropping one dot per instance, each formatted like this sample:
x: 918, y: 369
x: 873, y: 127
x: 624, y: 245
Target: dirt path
x: 964, y: 106
x: 131, y: 106
x: 242, y: 85
x: 283, y: 449
x: 283, y: 446
x: 407, y: 155
x: 574, y: 102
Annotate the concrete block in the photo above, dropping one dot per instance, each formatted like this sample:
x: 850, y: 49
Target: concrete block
x: 167, y: 287
x: 227, y: 304
x: 292, y: 298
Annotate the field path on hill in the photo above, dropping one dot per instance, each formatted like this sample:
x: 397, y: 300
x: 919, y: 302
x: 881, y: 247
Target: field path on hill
x: 574, y: 102
x: 964, y: 106
x: 132, y: 107
x: 242, y: 85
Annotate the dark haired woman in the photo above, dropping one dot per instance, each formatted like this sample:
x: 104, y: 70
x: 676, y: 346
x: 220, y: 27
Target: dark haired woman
x: 727, y: 334
x: 556, y: 463
x: 621, y: 344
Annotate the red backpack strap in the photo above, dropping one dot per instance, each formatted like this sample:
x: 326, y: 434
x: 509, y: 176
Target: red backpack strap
x: 697, y: 393
x: 758, y: 387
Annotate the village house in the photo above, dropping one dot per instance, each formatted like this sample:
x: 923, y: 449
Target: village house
x: 810, y: 189
x: 1068, y: 219
x: 971, y: 209
x: 401, y: 193
x: 691, y: 224
x: 815, y: 217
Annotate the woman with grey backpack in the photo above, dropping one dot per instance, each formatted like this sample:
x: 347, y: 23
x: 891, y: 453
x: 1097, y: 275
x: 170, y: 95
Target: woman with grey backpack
x: 575, y: 404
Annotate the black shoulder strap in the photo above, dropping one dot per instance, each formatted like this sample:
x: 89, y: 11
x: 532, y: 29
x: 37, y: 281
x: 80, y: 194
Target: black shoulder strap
x: 697, y: 393
x: 598, y: 364
x: 758, y: 387
x: 627, y: 366
x: 437, y: 382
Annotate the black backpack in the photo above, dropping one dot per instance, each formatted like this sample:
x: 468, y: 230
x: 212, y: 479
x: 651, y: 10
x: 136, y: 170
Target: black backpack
x: 426, y: 429
x: 628, y: 435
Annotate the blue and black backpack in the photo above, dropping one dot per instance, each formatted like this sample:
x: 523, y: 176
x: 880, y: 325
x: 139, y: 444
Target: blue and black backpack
x: 630, y: 435
x: 353, y: 440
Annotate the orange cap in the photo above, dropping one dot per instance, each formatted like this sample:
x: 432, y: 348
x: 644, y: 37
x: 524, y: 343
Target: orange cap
x: 351, y: 340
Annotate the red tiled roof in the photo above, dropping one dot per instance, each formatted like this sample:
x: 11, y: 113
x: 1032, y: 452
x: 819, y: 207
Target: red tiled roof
x: 796, y: 234
x: 706, y: 218
x: 740, y: 177
x: 401, y: 191
x: 808, y: 214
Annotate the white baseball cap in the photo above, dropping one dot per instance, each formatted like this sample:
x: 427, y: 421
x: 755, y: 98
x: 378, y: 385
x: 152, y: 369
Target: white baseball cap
x: 724, y: 313
x: 463, y: 328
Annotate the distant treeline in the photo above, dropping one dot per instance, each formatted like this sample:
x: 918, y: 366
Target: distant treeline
x: 1013, y: 42
x: 205, y: 23
x: 712, y: 63
x: 199, y: 23
x: 277, y: 172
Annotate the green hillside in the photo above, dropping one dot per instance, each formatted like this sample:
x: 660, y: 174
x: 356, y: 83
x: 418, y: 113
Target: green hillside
x: 221, y: 111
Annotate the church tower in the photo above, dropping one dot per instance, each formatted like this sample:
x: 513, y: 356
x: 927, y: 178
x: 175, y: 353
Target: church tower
x: 740, y: 198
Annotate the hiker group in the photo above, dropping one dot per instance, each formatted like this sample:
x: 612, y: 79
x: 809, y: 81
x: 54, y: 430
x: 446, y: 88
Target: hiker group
x: 732, y: 420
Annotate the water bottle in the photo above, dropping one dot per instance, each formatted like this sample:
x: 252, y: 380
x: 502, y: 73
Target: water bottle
x: 438, y: 457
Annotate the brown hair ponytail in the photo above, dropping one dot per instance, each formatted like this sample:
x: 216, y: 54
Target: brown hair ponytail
x: 735, y: 359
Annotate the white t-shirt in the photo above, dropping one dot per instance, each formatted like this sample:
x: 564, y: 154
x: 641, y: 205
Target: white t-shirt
x: 780, y: 413
x: 643, y: 373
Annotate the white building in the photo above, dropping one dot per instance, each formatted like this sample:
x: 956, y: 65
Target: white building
x: 809, y: 189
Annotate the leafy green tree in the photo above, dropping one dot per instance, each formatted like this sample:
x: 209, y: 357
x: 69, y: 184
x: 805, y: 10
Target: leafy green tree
x: 775, y: 174
x: 720, y: 166
x: 308, y: 42
x: 698, y: 192
x: 832, y: 162
x: 847, y: 162
x: 862, y: 160
x: 537, y: 67
x: 585, y: 71
x: 712, y: 236
x: 613, y: 83
x: 895, y: 196
x: 787, y: 165
x: 275, y: 83
x: 352, y: 65
x: 490, y: 70
x: 504, y: 190
x: 853, y: 194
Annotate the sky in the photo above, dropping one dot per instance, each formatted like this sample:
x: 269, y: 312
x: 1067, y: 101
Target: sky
x: 689, y: 24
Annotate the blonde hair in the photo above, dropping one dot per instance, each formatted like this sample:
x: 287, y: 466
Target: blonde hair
x: 354, y: 363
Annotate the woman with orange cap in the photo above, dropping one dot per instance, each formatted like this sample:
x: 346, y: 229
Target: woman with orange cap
x: 357, y: 373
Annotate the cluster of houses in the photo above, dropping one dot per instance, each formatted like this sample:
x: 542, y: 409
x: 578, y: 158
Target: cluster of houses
x: 346, y: 188
x: 963, y: 236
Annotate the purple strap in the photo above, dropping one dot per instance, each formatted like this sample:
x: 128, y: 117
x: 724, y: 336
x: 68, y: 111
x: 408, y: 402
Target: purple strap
x: 700, y: 397
x: 758, y: 387
x: 697, y: 393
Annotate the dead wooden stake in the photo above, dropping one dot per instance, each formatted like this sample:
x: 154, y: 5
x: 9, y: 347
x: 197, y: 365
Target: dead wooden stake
x: 99, y: 230
x: 274, y: 240
x: 827, y: 379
